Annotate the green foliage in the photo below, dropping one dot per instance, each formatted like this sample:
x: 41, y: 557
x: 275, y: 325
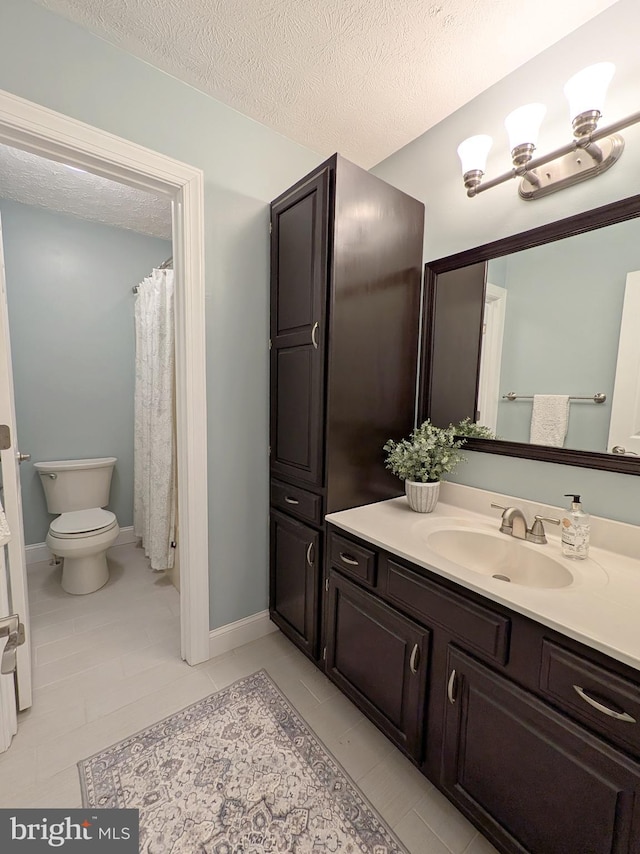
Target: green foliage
x: 426, y: 455
x: 470, y: 430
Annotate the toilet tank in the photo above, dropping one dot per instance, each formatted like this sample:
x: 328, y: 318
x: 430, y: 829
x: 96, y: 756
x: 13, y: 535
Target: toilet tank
x: 76, y: 484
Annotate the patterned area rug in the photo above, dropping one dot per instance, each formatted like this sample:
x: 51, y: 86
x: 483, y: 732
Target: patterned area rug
x: 236, y: 773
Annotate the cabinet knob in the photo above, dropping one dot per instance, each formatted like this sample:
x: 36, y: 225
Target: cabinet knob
x: 291, y: 500
x: 345, y: 558
x: 309, y: 551
x: 451, y: 686
x: 414, y: 661
x: 314, y: 335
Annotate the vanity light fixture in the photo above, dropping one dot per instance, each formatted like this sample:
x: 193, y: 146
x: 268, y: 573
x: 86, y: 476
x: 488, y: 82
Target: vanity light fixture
x: 580, y: 159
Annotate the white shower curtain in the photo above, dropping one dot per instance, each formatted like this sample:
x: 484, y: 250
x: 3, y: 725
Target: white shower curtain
x: 154, y: 501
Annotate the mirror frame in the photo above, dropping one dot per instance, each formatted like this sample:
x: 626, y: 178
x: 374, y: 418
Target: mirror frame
x: 588, y: 221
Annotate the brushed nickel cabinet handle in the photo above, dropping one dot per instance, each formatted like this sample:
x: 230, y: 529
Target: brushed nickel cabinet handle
x: 619, y: 716
x: 309, y: 549
x: 314, y: 335
x: 450, y: 686
x: 291, y: 500
x: 414, y: 661
x: 348, y: 559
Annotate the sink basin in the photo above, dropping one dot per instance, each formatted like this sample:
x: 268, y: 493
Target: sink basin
x: 498, y: 556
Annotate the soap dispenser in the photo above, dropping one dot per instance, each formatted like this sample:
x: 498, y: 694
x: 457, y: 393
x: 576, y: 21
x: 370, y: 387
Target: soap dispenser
x: 576, y: 528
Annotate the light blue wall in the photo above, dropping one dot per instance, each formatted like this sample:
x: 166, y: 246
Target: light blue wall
x: 72, y: 344
x: 429, y: 169
x: 573, y: 290
x: 52, y: 62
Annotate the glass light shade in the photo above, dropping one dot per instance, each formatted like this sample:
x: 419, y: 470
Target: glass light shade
x: 473, y: 153
x: 523, y: 125
x: 587, y: 89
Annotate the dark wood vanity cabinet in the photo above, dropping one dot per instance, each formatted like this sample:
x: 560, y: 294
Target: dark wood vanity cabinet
x: 294, y: 561
x: 346, y: 258
x: 499, y: 721
x: 298, y: 311
x: 533, y: 779
x: 380, y: 659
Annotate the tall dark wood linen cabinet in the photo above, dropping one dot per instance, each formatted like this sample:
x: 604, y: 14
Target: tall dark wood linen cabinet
x: 346, y: 257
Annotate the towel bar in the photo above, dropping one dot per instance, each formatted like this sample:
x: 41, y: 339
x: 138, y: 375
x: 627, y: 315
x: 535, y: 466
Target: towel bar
x: 597, y: 398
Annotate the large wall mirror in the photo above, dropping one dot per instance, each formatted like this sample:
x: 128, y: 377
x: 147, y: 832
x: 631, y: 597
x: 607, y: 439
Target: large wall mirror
x: 551, y: 311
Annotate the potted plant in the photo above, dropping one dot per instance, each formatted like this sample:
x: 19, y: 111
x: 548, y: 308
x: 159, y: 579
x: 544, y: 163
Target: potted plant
x: 422, y: 460
x: 471, y: 430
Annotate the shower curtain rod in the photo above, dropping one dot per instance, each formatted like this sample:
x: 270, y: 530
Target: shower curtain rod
x: 166, y: 265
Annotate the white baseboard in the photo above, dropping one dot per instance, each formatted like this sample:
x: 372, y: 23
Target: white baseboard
x: 39, y: 551
x: 237, y: 634
x: 126, y: 536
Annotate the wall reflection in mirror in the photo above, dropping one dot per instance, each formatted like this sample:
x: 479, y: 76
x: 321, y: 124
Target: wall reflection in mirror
x: 563, y: 319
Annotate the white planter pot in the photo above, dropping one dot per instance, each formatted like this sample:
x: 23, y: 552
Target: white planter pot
x: 422, y: 497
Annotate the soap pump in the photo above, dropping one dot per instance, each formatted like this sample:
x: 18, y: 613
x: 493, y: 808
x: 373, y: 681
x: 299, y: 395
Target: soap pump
x: 576, y: 528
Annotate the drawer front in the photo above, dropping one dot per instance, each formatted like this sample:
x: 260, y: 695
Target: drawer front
x: 481, y: 629
x: 605, y: 701
x: 297, y: 502
x: 352, y: 559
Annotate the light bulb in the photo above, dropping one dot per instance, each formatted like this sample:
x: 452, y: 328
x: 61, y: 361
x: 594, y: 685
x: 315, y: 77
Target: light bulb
x: 523, y: 125
x: 473, y: 153
x: 586, y: 90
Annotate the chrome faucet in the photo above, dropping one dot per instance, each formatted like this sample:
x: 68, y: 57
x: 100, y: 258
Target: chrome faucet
x: 514, y: 524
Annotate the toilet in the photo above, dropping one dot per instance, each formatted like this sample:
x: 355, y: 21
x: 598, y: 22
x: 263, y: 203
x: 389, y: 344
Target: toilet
x: 82, y: 533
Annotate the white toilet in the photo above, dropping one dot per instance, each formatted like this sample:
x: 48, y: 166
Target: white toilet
x: 82, y: 533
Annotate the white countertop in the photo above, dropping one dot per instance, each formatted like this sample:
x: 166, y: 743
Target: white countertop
x: 601, y: 609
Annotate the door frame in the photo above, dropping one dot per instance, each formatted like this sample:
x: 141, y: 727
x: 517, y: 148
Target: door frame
x: 495, y: 306
x: 624, y: 422
x: 47, y: 133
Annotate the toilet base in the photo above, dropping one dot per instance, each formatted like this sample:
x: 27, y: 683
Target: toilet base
x: 84, y: 559
x: 81, y: 575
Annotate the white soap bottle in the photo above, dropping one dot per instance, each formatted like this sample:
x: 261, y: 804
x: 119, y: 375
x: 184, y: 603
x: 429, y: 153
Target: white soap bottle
x: 576, y: 527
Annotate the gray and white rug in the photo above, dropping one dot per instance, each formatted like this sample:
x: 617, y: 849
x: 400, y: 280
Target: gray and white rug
x: 239, y: 772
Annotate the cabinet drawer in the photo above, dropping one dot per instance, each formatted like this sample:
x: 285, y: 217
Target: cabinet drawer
x: 481, y: 629
x: 352, y: 559
x: 616, y: 712
x: 297, y: 502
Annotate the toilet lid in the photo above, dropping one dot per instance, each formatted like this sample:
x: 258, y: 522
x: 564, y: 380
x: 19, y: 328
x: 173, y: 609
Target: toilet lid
x: 83, y: 521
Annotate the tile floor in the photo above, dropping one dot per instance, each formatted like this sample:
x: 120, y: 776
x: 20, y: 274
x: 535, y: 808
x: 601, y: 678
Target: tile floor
x: 108, y: 665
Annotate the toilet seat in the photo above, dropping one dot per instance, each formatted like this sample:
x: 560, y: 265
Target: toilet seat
x: 82, y: 523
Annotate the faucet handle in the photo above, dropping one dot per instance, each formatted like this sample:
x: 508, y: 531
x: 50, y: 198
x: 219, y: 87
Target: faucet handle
x: 537, y: 534
x: 506, y: 526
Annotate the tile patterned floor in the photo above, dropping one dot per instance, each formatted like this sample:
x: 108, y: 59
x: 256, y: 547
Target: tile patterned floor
x: 108, y: 665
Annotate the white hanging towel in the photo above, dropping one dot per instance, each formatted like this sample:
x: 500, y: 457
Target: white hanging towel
x: 549, y: 419
x: 5, y: 533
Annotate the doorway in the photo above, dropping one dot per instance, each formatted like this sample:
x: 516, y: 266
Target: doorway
x: 49, y: 134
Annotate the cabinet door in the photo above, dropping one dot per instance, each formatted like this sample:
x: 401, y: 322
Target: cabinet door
x: 451, y: 344
x: 379, y: 658
x: 532, y: 779
x: 294, y: 563
x: 298, y: 297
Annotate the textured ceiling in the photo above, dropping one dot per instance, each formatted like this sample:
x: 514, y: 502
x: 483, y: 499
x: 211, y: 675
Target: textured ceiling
x: 33, y: 180
x: 362, y: 77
